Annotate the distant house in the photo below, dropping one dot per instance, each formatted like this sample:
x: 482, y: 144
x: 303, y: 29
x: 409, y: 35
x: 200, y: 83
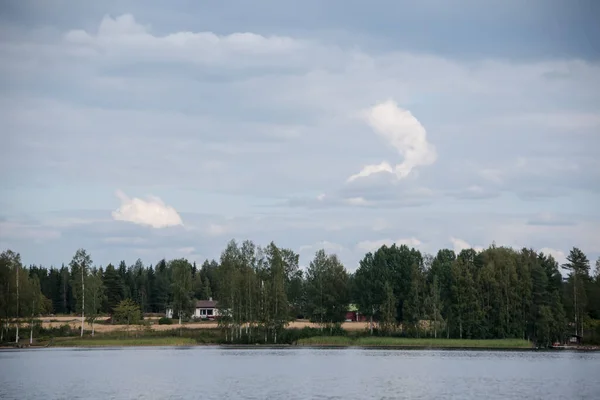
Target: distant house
x: 574, y: 339
x: 352, y: 315
x: 205, y: 309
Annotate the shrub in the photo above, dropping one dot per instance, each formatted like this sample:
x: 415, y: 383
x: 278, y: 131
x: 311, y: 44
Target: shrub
x: 165, y: 321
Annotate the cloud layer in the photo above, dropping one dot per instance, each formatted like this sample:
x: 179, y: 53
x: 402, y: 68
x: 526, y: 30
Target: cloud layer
x: 251, y: 131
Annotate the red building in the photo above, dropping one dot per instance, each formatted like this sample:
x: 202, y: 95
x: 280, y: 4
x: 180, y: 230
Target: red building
x: 355, y: 316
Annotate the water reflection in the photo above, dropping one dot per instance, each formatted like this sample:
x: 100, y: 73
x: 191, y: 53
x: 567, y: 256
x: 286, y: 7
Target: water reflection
x: 214, y: 372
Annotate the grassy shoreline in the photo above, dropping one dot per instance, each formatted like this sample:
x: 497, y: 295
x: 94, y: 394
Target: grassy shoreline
x: 125, y: 342
x: 408, y: 343
x: 315, y: 342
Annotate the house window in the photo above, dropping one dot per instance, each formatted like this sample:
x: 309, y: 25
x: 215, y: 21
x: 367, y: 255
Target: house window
x: 209, y: 311
x: 203, y: 312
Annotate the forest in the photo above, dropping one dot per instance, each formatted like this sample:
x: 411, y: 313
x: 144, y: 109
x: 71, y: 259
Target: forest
x: 496, y: 293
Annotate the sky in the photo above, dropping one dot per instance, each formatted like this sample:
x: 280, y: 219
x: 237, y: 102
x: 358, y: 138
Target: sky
x: 165, y: 129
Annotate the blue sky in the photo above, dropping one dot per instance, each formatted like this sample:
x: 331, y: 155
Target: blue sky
x: 164, y: 129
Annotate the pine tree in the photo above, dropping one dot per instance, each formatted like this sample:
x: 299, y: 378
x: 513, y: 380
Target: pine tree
x: 578, y: 266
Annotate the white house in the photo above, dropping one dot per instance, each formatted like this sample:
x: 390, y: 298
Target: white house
x: 205, y: 309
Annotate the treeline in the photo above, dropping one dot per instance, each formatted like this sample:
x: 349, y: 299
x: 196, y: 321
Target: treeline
x: 496, y: 293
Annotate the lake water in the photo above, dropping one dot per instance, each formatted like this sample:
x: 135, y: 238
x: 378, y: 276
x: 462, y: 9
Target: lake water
x: 296, y: 373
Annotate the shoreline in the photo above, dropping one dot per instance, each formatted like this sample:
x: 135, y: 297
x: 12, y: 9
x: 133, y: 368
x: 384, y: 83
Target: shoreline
x: 193, y: 338
x: 174, y: 342
x: 289, y: 346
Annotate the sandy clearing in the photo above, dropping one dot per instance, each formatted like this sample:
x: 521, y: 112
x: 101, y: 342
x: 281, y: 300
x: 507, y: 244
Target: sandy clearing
x: 74, y: 323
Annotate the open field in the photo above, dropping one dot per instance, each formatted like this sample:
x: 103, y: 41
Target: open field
x: 415, y: 342
x: 75, y: 323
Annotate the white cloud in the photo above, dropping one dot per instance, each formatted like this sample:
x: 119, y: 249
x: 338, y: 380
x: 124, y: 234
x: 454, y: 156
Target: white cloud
x: 125, y: 38
x: 152, y: 212
x: 460, y: 245
x: 372, y: 245
x: 558, y: 255
x: 403, y: 132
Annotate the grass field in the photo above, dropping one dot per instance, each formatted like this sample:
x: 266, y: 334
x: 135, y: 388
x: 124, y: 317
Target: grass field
x: 75, y: 323
x: 414, y: 342
x: 118, y: 342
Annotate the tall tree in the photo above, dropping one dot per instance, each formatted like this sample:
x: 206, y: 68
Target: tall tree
x: 7, y: 261
x: 113, y: 287
x: 441, y: 267
x: 95, y: 296
x: 578, y: 266
x: 182, y: 288
x: 388, y: 310
x: 414, y: 302
x: 435, y: 305
x: 327, y: 289
x: 279, y: 310
x: 80, y: 265
x: 228, y: 289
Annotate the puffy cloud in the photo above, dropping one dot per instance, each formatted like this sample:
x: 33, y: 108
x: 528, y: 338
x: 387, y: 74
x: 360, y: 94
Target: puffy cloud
x: 152, y: 212
x: 404, y: 133
x: 372, y: 245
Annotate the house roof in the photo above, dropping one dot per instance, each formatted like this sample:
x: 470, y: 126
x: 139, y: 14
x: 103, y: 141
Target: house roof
x: 206, y: 304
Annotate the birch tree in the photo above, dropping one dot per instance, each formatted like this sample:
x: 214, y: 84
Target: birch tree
x: 17, y: 273
x: 388, y: 310
x: 80, y: 265
x: 279, y: 313
x: 95, y: 297
x: 182, y: 287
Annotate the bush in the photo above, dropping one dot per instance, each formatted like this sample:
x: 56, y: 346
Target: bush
x: 165, y: 321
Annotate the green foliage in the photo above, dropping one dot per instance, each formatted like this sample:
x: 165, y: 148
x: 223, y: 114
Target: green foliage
x: 165, y: 321
x: 80, y: 266
x: 496, y: 293
x: 182, y: 288
x: 388, y: 310
x: 127, y: 311
x: 327, y: 289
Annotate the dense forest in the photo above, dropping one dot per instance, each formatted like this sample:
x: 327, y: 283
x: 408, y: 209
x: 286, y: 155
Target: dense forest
x: 495, y: 293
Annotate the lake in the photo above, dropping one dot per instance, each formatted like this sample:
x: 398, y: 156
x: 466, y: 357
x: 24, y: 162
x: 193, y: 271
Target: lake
x: 296, y: 373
